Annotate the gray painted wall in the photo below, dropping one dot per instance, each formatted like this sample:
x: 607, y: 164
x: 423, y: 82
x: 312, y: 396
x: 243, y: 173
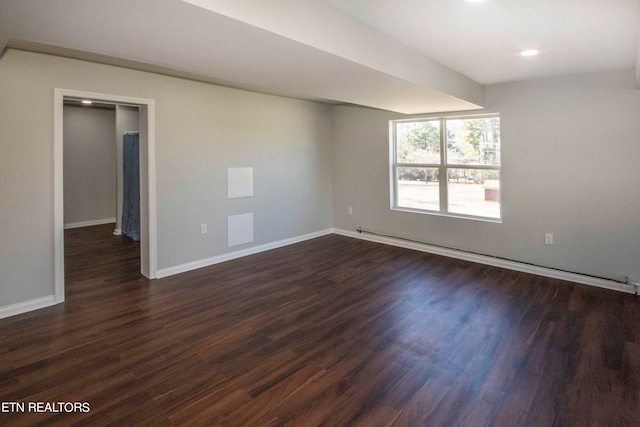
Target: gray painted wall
x: 570, y: 150
x: 570, y: 153
x: 89, y: 164
x: 201, y: 130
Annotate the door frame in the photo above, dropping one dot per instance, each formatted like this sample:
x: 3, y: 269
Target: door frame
x: 148, y: 250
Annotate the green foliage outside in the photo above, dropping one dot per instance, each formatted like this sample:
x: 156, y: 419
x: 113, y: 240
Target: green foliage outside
x: 468, y: 142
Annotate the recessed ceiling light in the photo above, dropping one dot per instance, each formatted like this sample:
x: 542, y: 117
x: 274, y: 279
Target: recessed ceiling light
x: 531, y: 52
x: 87, y: 101
x: 474, y: 1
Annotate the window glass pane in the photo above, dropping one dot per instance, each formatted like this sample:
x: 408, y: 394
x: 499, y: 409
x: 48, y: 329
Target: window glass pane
x: 473, y: 141
x: 474, y: 192
x: 418, y: 188
x: 418, y: 142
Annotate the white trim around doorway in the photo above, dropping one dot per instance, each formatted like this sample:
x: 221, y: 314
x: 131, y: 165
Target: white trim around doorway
x: 147, y: 194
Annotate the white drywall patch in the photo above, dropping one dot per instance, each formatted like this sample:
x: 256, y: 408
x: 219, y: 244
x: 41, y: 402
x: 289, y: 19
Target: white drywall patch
x: 240, y: 229
x: 240, y: 182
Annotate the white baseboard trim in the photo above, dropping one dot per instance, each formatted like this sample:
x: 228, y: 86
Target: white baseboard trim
x: 26, y: 306
x: 182, y: 268
x: 117, y: 232
x: 89, y: 223
x: 489, y: 260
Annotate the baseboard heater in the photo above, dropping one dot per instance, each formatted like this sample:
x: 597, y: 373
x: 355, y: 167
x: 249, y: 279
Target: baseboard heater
x: 627, y: 282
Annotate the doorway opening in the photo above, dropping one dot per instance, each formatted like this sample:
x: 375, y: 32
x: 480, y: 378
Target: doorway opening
x: 146, y: 108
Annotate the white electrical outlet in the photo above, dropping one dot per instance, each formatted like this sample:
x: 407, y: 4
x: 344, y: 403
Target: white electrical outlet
x: 350, y: 210
x: 548, y: 239
x: 203, y: 228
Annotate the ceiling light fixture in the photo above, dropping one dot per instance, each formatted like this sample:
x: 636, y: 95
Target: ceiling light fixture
x: 531, y: 52
x: 474, y: 1
x: 87, y: 101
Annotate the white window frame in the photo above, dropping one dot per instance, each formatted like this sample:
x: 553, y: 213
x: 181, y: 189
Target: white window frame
x: 443, y: 168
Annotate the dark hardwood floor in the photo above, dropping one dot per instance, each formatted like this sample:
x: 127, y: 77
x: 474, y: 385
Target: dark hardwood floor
x: 333, y: 331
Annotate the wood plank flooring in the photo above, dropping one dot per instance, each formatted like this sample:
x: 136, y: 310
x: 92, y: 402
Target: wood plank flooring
x: 332, y: 331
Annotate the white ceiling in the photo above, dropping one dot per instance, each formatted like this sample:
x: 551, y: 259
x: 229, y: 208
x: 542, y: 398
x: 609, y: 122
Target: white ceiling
x: 483, y: 40
x: 400, y: 55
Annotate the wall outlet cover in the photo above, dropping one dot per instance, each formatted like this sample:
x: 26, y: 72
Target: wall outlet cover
x: 548, y: 239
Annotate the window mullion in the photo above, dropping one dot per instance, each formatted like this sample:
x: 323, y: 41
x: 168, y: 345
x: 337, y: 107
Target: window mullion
x: 444, y: 196
x: 473, y: 166
x: 417, y: 165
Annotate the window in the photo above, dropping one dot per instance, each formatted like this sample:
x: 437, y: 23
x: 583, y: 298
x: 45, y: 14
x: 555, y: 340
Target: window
x: 447, y: 166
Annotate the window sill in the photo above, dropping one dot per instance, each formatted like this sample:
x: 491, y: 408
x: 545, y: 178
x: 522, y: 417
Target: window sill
x: 448, y: 215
